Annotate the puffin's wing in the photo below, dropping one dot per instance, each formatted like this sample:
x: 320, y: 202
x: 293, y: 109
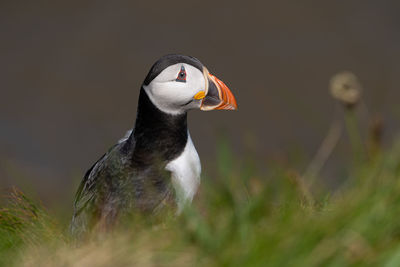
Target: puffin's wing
x: 85, y: 190
x: 127, y: 135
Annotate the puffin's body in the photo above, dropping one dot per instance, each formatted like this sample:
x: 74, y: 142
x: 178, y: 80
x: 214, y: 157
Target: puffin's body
x: 156, y: 164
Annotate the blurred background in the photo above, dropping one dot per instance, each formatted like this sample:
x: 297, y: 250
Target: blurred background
x: 70, y: 74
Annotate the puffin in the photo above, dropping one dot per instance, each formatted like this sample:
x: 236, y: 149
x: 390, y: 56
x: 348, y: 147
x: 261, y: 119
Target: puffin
x: 156, y: 164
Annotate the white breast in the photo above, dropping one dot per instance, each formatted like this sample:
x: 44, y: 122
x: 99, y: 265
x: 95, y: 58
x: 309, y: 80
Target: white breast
x: 185, y: 174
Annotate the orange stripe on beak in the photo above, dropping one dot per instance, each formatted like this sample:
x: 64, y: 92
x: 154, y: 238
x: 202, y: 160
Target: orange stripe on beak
x: 226, y: 97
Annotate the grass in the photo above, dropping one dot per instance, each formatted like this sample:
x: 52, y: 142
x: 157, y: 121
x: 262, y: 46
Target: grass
x: 240, y: 217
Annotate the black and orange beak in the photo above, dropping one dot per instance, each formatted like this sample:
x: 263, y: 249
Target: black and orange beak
x: 217, y: 95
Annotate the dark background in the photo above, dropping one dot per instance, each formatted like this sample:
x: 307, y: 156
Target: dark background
x: 70, y: 74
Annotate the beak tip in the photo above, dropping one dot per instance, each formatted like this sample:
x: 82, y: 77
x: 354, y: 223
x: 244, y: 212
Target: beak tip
x: 225, y: 97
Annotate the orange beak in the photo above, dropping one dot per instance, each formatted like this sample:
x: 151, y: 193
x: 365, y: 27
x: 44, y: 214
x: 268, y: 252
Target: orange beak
x: 218, y: 95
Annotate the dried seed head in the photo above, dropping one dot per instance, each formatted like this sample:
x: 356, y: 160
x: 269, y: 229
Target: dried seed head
x: 346, y: 88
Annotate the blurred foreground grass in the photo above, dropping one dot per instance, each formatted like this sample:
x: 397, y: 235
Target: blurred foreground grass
x: 239, y: 218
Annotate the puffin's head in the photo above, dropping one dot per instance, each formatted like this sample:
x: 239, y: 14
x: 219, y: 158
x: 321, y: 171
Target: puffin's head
x: 177, y: 83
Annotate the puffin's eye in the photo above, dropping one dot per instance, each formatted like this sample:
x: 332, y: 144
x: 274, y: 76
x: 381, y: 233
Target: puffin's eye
x: 181, y: 75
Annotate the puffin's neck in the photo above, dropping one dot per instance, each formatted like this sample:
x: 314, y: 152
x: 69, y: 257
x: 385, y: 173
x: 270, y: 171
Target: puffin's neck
x: 158, y: 136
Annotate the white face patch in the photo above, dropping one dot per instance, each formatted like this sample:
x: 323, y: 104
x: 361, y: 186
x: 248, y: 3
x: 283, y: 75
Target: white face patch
x: 176, y: 97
